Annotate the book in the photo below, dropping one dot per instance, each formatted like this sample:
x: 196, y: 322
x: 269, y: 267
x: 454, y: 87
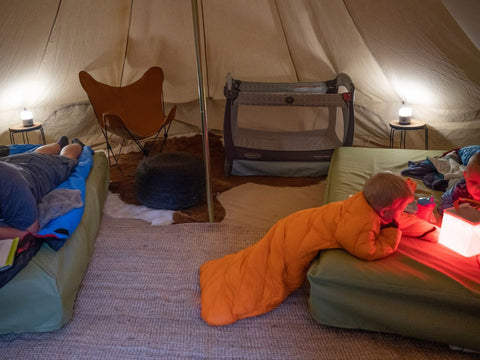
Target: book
x: 8, y: 248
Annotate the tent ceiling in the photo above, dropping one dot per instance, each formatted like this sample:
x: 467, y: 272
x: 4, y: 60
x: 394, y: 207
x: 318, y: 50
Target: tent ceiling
x: 423, y: 52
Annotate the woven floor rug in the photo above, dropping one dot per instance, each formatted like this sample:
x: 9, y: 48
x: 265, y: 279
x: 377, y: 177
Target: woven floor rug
x: 140, y: 299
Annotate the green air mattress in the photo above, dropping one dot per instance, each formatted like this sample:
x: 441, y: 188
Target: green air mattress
x: 423, y: 290
x: 42, y: 295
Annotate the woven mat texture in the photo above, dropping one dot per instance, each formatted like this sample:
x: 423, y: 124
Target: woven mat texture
x: 140, y: 299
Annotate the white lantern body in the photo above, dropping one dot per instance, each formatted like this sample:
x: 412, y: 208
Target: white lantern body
x: 405, y: 115
x: 461, y: 230
x: 26, y: 117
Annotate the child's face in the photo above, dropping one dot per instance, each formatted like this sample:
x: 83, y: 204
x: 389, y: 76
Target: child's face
x: 394, y: 211
x: 472, y: 179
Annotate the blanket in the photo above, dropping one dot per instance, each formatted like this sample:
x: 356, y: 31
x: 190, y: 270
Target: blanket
x: 260, y: 277
x: 442, y: 172
x: 57, y: 203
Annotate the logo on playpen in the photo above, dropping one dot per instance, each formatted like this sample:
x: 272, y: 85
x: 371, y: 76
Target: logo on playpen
x: 252, y: 155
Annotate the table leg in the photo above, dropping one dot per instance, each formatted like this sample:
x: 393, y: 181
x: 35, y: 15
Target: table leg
x: 426, y: 138
x: 403, y: 136
x: 43, y: 135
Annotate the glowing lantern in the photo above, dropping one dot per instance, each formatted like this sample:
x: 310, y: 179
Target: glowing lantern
x: 26, y: 117
x: 404, y: 115
x: 461, y: 230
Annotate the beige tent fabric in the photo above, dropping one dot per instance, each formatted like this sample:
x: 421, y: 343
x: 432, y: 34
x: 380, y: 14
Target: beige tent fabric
x: 465, y: 13
x: 422, y: 52
x: 161, y: 33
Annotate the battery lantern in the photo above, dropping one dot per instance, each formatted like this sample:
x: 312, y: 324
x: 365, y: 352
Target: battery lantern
x: 460, y: 230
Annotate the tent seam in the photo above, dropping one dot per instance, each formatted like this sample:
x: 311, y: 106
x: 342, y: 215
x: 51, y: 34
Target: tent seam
x: 286, y: 41
x: 368, y: 47
x: 51, y: 32
x: 126, y: 43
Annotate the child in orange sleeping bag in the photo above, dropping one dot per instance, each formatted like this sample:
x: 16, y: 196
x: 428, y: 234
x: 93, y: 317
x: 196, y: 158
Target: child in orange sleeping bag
x: 255, y: 280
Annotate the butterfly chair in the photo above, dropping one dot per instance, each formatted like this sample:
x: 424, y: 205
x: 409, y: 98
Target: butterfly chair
x: 132, y: 112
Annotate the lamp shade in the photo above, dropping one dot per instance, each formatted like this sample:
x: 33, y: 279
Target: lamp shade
x: 461, y: 230
x: 26, y: 117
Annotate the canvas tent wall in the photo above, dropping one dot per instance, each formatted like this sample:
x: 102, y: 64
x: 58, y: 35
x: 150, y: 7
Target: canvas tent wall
x: 425, y: 53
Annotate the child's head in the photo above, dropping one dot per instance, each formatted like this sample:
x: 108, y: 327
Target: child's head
x: 388, y: 194
x: 472, y: 176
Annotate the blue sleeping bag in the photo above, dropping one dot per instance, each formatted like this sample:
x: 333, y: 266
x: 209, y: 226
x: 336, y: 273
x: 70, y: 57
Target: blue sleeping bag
x: 58, y: 230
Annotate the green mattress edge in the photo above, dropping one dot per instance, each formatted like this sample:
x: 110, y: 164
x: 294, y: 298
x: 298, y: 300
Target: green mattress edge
x: 421, y: 303
x: 41, y: 297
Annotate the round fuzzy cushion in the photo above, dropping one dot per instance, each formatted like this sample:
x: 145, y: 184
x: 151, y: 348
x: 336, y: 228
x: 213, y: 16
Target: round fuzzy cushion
x: 170, y: 181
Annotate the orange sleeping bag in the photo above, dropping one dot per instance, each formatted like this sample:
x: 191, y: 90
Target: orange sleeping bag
x: 257, y: 279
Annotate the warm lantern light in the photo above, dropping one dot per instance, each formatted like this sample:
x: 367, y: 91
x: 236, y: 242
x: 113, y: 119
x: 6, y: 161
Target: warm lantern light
x: 461, y: 230
x: 404, y: 114
x: 26, y: 117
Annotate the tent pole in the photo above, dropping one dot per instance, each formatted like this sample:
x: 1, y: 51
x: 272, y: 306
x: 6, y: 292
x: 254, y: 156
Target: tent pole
x: 203, y: 113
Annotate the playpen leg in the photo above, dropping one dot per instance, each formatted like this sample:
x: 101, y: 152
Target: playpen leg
x: 228, y: 167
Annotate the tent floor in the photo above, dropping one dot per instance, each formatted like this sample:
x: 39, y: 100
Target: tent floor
x: 124, y: 185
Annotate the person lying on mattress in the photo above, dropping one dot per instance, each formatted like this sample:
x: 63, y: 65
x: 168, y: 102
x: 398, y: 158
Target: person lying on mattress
x: 26, y: 177
x: 255, y: 280
x: 468, y: 188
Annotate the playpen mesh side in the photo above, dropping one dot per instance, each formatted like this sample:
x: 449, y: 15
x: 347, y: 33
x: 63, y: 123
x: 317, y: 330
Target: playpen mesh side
x: 291, y: 123
x: 308, y: 123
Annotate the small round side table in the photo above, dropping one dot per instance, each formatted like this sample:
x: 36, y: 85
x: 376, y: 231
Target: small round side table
x: 414, y: 125
x: 24, y: 130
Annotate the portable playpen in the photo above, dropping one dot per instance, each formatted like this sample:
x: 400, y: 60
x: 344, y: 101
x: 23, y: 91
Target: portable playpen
x: 286, y: 129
